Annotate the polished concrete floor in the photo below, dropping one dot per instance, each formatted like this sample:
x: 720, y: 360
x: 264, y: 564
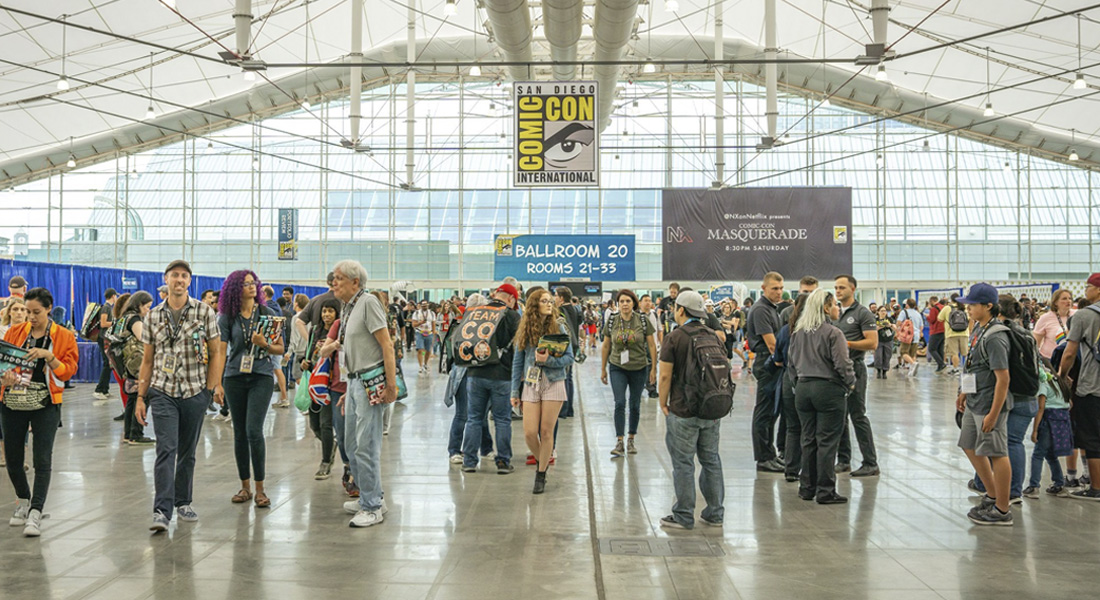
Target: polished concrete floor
x: 449, y: 535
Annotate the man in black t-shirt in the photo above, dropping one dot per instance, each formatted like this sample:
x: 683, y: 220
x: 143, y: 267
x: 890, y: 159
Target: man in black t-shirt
x: 665, y: 306
x: 105, y: 319
x: 858, y: 325
x: 762, y: 326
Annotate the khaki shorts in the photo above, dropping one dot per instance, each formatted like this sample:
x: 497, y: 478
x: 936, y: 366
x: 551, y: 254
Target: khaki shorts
x: 956, y: 345
x: 907, y: 349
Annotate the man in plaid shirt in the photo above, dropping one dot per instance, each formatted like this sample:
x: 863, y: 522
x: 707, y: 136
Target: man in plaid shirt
x: 181, y: 372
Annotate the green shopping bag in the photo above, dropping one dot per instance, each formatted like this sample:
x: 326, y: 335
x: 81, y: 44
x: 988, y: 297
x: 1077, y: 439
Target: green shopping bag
x: 301, y: 393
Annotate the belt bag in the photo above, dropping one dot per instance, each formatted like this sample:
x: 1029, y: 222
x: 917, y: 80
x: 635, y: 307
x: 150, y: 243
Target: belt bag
x: 32, y: 397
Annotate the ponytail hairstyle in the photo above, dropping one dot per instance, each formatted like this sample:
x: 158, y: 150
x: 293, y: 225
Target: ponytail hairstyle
x: 813, y: 313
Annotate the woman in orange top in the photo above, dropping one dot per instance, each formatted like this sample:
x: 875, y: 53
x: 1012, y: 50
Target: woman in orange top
x: 32, y: 398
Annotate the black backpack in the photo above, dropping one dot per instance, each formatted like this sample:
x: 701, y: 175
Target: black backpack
x: 957, y: 320
x: 708, y: 382
x: 1023, y: 359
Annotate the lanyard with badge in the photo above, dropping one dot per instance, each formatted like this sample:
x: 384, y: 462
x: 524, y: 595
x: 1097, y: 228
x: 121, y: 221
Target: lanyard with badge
x: 248, y: 359
x: 344, y: 314
x: 626, y: 338
x: 1061, y: 335
x: 171, y: 360
x: 968, y: 383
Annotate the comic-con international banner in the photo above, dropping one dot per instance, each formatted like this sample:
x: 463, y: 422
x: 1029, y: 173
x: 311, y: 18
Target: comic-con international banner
x: 288, y: 234
x: 742, y: 233
x: 557, y: 143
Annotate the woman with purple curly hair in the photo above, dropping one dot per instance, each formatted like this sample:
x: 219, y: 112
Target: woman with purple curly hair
x: 249, y: 373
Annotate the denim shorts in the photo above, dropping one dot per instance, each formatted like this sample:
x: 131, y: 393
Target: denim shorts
x: 424, y: 341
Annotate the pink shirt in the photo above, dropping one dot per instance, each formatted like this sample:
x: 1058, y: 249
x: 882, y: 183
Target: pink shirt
x: 1051, y: 330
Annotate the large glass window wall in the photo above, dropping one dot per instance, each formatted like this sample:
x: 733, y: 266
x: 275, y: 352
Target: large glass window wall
x: 925, y: 207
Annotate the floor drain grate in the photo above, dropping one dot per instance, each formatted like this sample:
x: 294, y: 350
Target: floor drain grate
x: 656, y: 547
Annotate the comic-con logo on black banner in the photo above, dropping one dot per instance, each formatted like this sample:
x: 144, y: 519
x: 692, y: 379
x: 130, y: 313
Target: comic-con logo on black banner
x: 556, y: 139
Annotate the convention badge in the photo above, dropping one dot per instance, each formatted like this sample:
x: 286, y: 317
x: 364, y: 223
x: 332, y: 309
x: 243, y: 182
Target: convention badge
x: 246, y: 363
x: 533, y: 375
x: 624, y: 357
x: 171, y: 363
x: 968, y: 383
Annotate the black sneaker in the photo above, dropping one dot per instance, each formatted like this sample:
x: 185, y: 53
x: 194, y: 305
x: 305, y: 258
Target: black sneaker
x: 1073, y: 482
x: 843, y: 467
x: 466, y: 469
x: 832, y: 498
x: 1058, y: 491
x: 1086, y: 494
x: 1085, y: 481
x: 504, y: 468
x: 990, y: 516
x: 1031, y: 492
x: 670, y: 522
x: 120, y: 417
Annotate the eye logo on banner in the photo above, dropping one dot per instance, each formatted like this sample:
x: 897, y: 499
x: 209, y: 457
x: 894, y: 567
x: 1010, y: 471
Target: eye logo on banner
x: 557, y: 143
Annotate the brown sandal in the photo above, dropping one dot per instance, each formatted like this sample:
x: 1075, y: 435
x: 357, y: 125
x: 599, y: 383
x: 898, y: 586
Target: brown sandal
x: 262, y: 501
x: 242, y: 496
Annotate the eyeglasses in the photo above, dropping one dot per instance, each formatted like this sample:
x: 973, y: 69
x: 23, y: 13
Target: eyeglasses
x: 249, y: 284
x: 546, y: 301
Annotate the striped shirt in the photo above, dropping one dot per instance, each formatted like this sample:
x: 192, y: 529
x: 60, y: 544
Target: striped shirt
x: 185, y: 345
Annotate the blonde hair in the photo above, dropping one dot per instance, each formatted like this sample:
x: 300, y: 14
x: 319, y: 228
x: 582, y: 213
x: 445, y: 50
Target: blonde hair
x: 5, y: 314
x: 813, y: 314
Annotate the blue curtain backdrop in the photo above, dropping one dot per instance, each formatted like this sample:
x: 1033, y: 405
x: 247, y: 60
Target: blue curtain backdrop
x: 74, y: 286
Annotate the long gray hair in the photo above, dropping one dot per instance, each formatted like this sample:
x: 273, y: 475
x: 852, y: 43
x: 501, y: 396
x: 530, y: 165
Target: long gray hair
x: 813, y: 314
x: 476, y: 300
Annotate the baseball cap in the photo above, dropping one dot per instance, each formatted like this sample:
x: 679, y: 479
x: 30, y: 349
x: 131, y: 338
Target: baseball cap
x: 692, y: 303
x: 163, y: 288
x: 179, y: 264
x: 980, y: 293
x: 1094, y: 280
x: 17, y: 282
x: 509, y: 289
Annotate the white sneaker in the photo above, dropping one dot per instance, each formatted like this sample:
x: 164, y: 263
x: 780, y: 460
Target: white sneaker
x: 456, y: 459
x: 22, y: 507
x: 101, y: 396
x: 33, y: 528
x: 913, y: 370
x: 366, y: 519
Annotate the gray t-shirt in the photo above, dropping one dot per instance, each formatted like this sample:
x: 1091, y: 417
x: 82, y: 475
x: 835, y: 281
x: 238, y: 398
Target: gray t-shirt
x: 361, y: 350
x: 990, y: 354
x: 853, y: 322
x: 1083, y: 328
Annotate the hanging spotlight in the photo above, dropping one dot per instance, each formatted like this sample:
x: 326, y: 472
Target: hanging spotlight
x: 256, y: 163
x: 150, y: 113
x: 649, y: 67
x: 881, y: 74
x: 62, y: 83
x: 250, y: 76
x: 305, y: 104
x: 1073, y: 155
x: 209, y: 147
x: 1008, y: 168
x: 988, y: 112
x: 825, y: 103
x: 475, y: 71
x: 72, y: 161
x: 449, y: 9
x: 878, y: 160
x: 926, y: 147
x: 1079, y: 82
x: 670, y: 6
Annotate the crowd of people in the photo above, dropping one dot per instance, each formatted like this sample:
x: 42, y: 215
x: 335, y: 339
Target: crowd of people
x: 511, y: 352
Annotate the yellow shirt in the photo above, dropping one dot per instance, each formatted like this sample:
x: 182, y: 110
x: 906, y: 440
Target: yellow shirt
x: 944, y: 315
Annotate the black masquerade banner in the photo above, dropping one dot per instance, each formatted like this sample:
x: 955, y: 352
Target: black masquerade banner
x: 742, y: 233
x: 556, y: 139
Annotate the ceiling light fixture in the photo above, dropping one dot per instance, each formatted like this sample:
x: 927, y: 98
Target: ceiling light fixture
x: 671, y: 6
x: 256, y: 163
x: 1008, y: 168
x: 250, y: 76
x: 926, y: 146
x: 475, y: 71
x: 1079, y: 82
x: 149, y: 112
x: 825, y: 102
x: 1073, y: 155
x: 71, y: 163
x: 649, y: 67
x: 450, y: 9
x: 879, y: 160
x: 1073, y: 151
x: 63, y: 81
x: 988, y: 112
x: 305, y: 104
x: 881, y: 75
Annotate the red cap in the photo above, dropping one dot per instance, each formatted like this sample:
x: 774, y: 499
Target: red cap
x: 509, y: 289
x: 1094, y: 279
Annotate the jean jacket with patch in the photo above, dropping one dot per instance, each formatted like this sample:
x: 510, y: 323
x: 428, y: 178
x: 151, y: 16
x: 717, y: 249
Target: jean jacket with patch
x: 555, y: 367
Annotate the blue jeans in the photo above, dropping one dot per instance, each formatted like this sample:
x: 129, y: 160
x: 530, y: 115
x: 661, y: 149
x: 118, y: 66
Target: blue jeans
x: 621, y: 379
x: 686, y: 439
x: 338, y: 425
x: 1019, y: 418
x: 363, y: 441
x: 484, y: 394
x: 178, y: 423
x: 1044, y: 450
x: 458, y: 423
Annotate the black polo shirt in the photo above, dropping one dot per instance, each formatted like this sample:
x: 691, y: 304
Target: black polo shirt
x: 763, y: 319
x: 853, y: 321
